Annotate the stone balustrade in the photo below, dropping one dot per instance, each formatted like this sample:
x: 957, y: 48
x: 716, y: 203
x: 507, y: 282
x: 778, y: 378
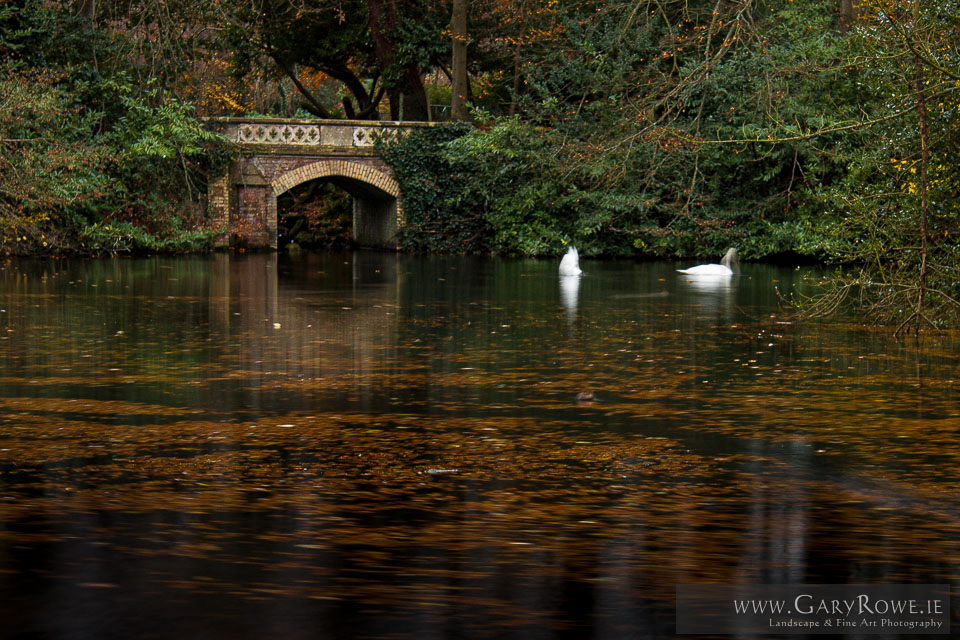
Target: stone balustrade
x: 343, y: 134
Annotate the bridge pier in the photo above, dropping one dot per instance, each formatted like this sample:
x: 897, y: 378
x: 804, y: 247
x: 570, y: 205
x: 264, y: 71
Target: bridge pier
x: 375, y: 223
x: 277, y: 155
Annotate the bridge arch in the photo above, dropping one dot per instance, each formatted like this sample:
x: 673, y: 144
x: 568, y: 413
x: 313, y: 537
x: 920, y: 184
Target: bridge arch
x: 377, y: 214
x: 336, y: 168
x: 276, y: 154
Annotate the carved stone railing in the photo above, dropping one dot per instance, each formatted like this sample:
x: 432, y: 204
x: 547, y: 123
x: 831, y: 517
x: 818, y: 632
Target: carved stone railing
x: 343, y: 134
x: 277, y: 134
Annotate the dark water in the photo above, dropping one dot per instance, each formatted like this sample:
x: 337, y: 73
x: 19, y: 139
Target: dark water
x: 379, y: 446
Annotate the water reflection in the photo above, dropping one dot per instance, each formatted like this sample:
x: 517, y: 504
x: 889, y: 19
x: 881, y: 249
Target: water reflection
x: 325, y: 332
x: 364, y: 445
x: 714, y: 294
x: 569, y: 294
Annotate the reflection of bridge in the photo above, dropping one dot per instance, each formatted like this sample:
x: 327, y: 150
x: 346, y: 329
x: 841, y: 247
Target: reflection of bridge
x: 276, y: 155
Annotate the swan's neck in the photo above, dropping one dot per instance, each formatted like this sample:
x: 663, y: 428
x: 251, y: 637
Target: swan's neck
x: 729, y: 259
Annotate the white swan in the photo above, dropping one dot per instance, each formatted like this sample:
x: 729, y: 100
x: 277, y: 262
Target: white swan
x: 570, y: 264
x: 725, y: 268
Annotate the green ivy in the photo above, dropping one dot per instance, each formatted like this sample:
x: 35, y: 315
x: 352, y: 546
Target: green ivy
x: 431, y: 188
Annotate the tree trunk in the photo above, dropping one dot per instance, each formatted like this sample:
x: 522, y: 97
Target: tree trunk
x: 313, y: 106
x: 415, y: 105
x: 383, y: 24
x: 458, y: 95
x: 393, y: 95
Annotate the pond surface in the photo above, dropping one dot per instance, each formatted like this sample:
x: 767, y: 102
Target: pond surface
x: 366, y: 445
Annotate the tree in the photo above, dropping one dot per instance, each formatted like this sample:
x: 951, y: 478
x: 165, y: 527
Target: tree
x: 403, y: 73
x: 896, y: 216
x: 369, y: 47
x: 458, y: 28
x: 331, y: 38
x: 50, y: 171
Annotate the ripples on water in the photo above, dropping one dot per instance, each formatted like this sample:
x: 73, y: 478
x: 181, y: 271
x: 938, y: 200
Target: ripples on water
x: 379, y: 446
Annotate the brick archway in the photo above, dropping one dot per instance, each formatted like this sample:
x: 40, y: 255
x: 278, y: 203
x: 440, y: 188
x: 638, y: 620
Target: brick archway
x: 336, y: 168
x: 377, y: 215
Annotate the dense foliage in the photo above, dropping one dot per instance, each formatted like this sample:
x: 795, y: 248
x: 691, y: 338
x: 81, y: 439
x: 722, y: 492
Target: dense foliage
x: 894, y: 213
x: 91, y: 158
x: 619, y: 145
x: 314, y: 215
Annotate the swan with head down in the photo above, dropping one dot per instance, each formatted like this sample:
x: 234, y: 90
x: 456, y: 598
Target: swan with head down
x: 570, y: 264
x: 726, y: 267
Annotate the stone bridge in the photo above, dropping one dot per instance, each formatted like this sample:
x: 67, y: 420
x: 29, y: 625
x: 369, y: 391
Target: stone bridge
x: 275, y: 155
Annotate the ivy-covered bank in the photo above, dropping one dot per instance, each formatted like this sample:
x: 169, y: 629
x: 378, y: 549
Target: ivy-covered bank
x: 512, y: 188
